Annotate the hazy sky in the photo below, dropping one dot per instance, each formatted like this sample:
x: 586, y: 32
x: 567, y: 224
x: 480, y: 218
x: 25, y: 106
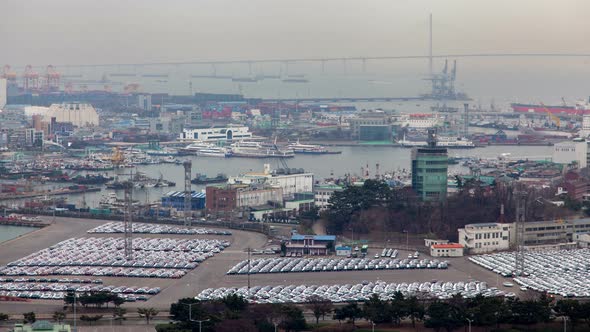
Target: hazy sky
x: 111, y: 31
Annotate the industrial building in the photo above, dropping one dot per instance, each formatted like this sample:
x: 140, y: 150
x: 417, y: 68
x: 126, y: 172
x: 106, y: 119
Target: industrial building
x: 78, y: 114
x: 233, y: 197
x: 429, y: 170
x: 144, y: 102
x: 486, y: 237
x: 216, y: 134
x: 291, y: 180
x: 568, y: 152
x: 371, y: 126
x: 3, y: 92
x: 175, y: 200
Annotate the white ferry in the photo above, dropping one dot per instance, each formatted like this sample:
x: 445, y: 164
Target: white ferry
x: 310, y: 149
x: 443, y: 142
x: 246, y: 149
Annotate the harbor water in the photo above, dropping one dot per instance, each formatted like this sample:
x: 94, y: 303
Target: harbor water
x: 350, y: 161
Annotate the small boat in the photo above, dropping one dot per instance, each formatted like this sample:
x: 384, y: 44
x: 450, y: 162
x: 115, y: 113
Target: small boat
x: 310, y: 149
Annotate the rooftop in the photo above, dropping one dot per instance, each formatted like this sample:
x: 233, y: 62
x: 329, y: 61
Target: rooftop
x: 447, y: 246
x: 299, y: 237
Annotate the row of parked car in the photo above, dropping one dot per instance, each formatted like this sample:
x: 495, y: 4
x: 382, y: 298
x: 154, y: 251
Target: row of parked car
x: 44, y: 295
x: 285, y: 265
x: 354, y: 292
x: 560, y: 272
x: 95, y: 271
x: 109, y: 252
x: 54, y: 280
x: 140, y: 228
x: 60, y: 287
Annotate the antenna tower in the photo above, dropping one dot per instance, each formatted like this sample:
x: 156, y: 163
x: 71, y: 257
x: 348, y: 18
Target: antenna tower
x: 520, y: 220
x: 187, y: 192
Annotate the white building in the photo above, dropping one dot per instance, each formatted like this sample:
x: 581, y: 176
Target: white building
x: 145, y: 102
x: 3, y: 93
x: 322, y: 195
x: 216, y: 134
x: 571, y: 151
x: 291, y: 181
x: 446, y: 250
x: 78, y: 114
x: 486, y: 237
x: 585, y: 132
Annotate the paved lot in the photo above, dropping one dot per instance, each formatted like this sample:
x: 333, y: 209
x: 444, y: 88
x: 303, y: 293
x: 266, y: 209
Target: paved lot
x: 211, y: 273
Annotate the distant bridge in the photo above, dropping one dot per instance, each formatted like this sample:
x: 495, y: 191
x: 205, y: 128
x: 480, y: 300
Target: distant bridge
x: 344, y: 99
x: 328, y: 59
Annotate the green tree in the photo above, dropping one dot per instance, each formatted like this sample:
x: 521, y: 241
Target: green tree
x: 90, y: 319
x: 29, y: 317
x: 147, y: 313
x: 397, y: 308
x: 319, y: 306
x: 235, y: 302
x: 3, y: 316
x: 119, y: 315
x: 414, y: 309
x: 570, y: 309
x: 376, y: 310
x: 59, y: 316
x: 351, y: 311
x: 441, y: 315
x: 292, y: 318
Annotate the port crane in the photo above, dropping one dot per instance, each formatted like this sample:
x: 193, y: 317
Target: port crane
x: 552, y: 116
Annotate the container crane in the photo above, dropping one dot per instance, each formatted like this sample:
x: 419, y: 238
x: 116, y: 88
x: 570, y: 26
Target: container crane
x: 52, y: 78
x: 30, y: 79
x: 8, y: 74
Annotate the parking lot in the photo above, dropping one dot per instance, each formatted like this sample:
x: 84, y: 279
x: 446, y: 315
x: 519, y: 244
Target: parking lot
x: 559, y: 272
x: 355, y: 292
x: 212, y: 272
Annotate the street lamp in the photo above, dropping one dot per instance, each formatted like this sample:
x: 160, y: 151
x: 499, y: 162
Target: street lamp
x: 373, y: 326
x: 469, y: 321
x: 564, y: 323
x: 407, y: 239
x: 190, y: 316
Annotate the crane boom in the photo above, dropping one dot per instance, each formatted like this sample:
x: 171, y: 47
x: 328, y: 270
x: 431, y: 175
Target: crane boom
x: 552, y: 116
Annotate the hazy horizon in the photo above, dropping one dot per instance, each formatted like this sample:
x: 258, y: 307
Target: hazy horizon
x: 110, y: 31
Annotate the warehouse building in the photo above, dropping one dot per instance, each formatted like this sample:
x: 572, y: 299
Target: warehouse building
x: 175, y: 200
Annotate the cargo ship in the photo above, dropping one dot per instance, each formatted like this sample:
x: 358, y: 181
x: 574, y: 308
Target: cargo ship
x: 580, y: 108
x: 203, y: 179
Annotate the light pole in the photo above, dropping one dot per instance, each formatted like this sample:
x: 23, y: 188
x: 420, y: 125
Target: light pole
x: 564, y: 323
x: 407, y: 239
x: 469, y: 321
x: 75, y: 328
x: 373, y: 326
x: 190, y: 316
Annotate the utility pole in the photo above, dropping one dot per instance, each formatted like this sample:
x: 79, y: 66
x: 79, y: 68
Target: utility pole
x: 187, y: 192
x: 249, y: 251
x: 520, y: 197
x: 128, y: 220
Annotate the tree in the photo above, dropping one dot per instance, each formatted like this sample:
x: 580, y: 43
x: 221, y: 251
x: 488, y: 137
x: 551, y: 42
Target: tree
x: 148, y: 313
x: 90, y: 319
x: 414, y: 309
x: 119, y: 315
x: 319, y: 306
x: 235, y: 302
x: 117, y: 301
x: 291, y: 318
x: 59, y: 316
x: 3, y: 316
x: 236, y: 325
x: 351, y: 311
x: 443, y: 315
x: 570, y: 309
x: 376, y: 310
x: 397, y: 308
x: 29, y: 317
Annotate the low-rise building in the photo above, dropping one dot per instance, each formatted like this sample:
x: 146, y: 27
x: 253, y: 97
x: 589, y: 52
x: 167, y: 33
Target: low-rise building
x: 310, y: 244
x: 486, y: 237
x: 343, y: 251
x: 446, y: 250
x: 175, y: 199
x: 568, y: 152
x: 323, y: 193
